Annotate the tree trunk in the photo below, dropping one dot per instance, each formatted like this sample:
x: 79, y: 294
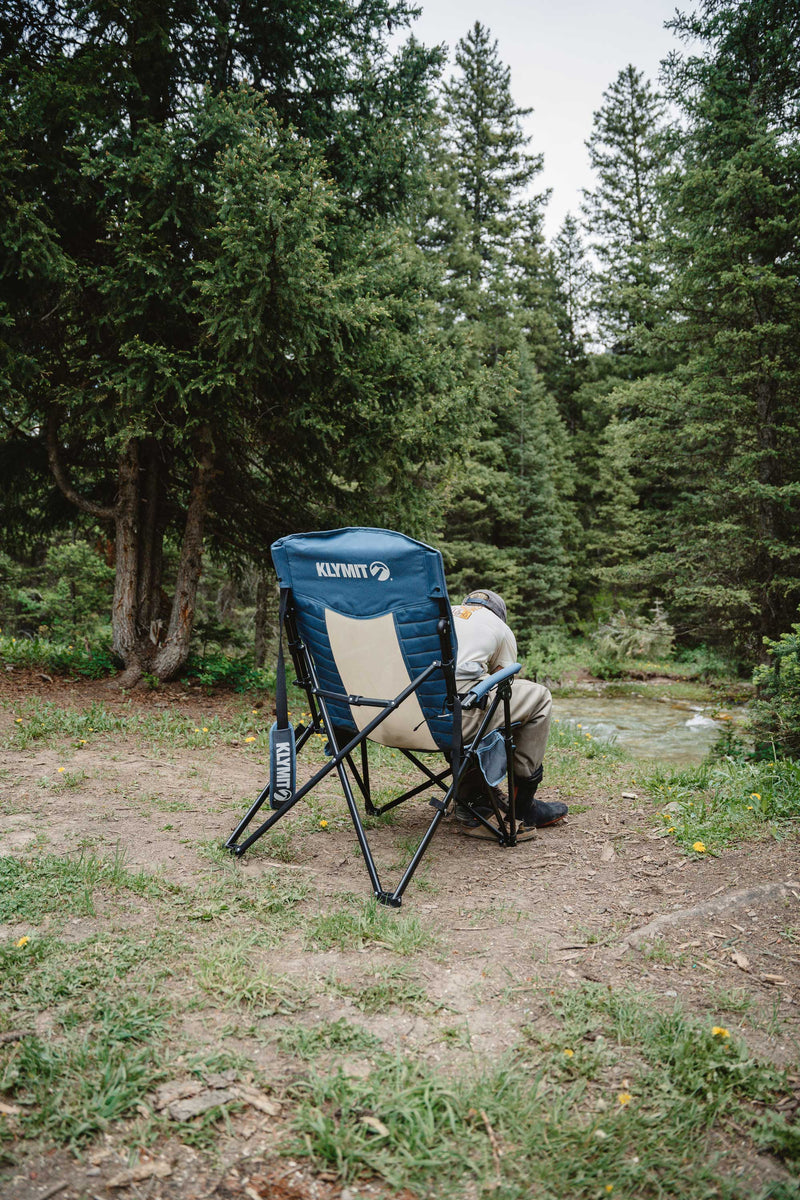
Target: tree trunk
x: 138, y: 515
x: 260, y: 646
x: 124, y: 612
x: 172, y: 654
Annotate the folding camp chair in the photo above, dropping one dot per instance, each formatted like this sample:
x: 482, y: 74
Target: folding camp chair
x: 370, y: 633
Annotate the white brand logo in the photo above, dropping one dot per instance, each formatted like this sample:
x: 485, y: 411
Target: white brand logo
x: 340, y: 570
x: 283, y: 771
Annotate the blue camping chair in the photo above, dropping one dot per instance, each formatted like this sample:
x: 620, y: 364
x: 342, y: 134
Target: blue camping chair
x: 370, y: 633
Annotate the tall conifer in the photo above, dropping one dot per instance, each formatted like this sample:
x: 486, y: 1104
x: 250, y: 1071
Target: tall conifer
x: 723, y: 433
x: 628, y: 151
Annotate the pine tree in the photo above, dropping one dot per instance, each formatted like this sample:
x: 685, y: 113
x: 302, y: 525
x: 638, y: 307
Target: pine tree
x: 508, y: 515
x: 492, y: 171
x: 213, y: 325
x: 570, y: 276
x: 721, y: 436
x: 629, y: 151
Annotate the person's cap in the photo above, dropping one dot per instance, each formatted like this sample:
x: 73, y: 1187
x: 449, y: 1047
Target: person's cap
x: 488, y: 599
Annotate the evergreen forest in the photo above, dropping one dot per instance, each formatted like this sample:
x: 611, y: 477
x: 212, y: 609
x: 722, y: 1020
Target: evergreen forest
x: 270, y: 267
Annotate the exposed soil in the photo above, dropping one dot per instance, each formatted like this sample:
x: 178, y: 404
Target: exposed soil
x: 559, y: 908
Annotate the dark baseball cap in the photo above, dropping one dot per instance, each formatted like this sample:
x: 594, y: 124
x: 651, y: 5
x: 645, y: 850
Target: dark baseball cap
x: 487, y: 599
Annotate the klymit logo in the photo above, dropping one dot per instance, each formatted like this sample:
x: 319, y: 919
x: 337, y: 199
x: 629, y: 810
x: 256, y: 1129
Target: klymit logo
x: 340, y: 570
x: 283, y: 771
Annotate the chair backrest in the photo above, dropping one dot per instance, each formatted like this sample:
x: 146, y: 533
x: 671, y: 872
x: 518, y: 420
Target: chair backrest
x: 368, y: 603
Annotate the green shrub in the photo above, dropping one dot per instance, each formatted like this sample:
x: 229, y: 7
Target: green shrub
x: 218, y: 669
x: 623, y: 637
x: 60, y: 658
x: 775, y: 721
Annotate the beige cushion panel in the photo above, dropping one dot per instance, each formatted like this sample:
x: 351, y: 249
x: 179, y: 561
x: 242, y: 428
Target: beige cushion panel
x: 370, y: 662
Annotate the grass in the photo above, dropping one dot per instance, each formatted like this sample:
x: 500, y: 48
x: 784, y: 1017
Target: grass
x: 32, y: 887
x: 718, y: 803
x: 633, y: 1112
x: 309, y: 1042
x: 230, y: 976
x: 357, y: 923
x: 37, y: 720
x: 599, y: 1088
x: 384, y: 990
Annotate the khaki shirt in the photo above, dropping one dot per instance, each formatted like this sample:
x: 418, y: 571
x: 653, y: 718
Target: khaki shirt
x: 485, y: 643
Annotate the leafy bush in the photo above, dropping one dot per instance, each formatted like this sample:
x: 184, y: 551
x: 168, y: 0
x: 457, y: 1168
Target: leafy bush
x: 624, y: 637
x: 776, y: 710
x: 59, y: 658
x: 215, y: 670
x: 66, y: 597
x: 719, y: 802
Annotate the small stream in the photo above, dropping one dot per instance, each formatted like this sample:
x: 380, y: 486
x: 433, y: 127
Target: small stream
x: 675, y: 731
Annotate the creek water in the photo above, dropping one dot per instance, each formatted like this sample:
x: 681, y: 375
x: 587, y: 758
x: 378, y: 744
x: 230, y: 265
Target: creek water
x: 676, y: 731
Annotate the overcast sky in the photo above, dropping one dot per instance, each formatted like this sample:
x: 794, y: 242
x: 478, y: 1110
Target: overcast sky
x: 563, y: 54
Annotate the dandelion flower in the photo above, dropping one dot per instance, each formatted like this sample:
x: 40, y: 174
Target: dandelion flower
x: 19, y: 720
x: 755, y: 795
x: 23, y: 941
x: 61, y: 770
x: 249, y: 739
x: 720, y: 1031
x: 624, y: 1098
x: 699, y: 847
x: 205, y: 729
x: 323, y: 824
x: 570, y: 1053
x: 671, y: 829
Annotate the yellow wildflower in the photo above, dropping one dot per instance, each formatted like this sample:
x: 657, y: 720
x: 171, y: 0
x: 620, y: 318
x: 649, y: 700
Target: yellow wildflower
x: 755, y: 795
x: 61, y: 769
x: 323, y: 824
x: 570, y: 1053
x: 720, y: 1032
x: 699, y: 847
x: 205, y: 729
x: 624, y: 1098
x: 249, y: 739
x: 23, y: 941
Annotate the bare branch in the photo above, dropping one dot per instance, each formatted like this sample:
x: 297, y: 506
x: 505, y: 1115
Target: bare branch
x: 102, y: 512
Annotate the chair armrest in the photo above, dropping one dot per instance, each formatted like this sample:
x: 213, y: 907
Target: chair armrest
x: 477, y: 692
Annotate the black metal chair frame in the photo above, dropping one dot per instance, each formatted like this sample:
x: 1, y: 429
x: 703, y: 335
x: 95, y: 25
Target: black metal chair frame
x: 341, y: 748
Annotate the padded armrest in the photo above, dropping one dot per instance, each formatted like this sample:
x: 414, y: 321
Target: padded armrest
x: 479, y: 691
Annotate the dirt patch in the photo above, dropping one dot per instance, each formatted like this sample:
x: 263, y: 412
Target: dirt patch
x: 507, y: 924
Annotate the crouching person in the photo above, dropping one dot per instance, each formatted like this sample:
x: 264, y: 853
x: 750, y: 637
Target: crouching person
x: 486, y: 644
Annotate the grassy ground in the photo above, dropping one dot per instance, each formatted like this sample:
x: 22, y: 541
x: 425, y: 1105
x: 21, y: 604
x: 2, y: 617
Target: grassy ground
x: 495, y: 1037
